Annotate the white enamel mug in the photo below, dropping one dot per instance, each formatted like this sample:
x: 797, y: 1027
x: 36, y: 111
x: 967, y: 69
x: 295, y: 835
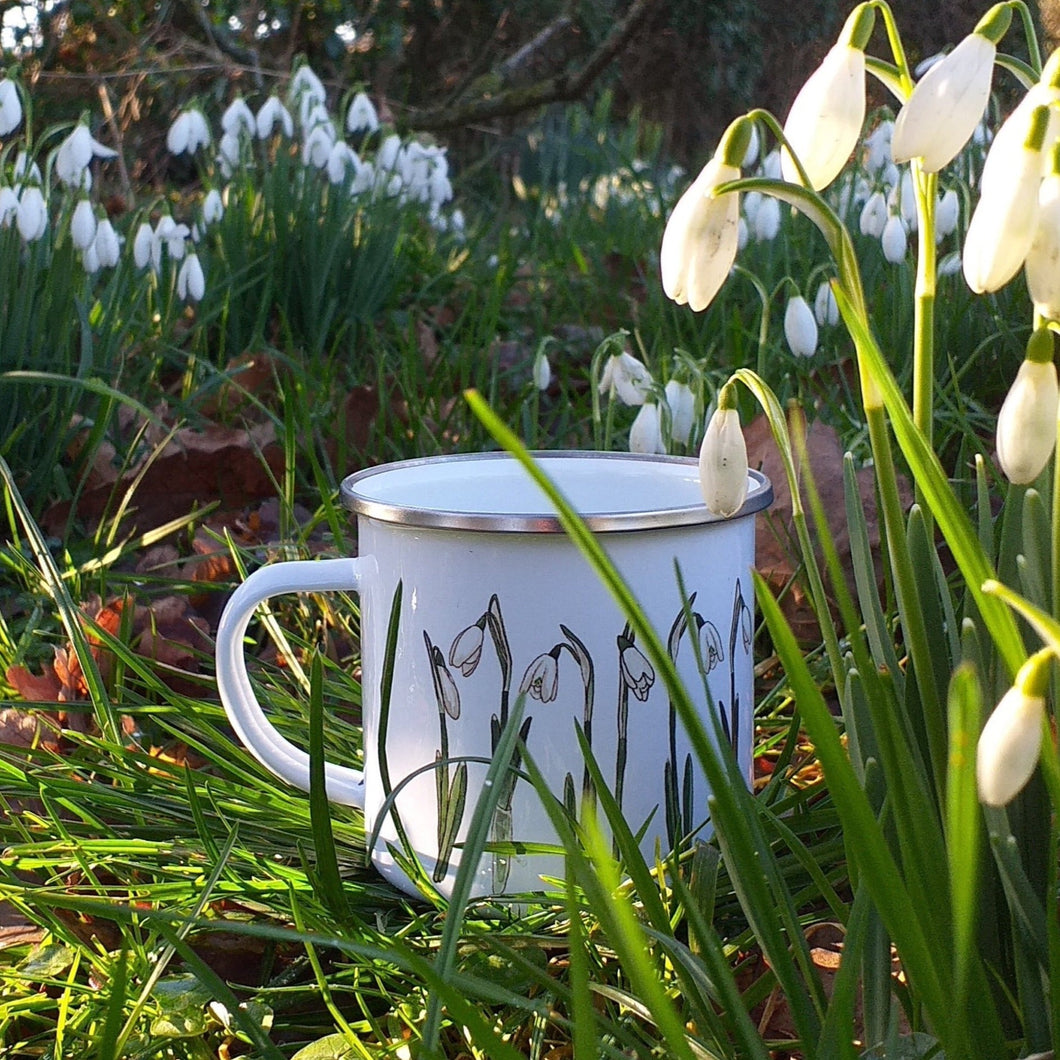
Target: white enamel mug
x: 498, y: 602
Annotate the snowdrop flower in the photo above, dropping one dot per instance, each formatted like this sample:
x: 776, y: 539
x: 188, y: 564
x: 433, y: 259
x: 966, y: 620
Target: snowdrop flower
x: 188, y: 132
x: 824, y: 123
x: 878, y: 144
x: 542, y: 371
x: 32, y: 217
x: 771, y: 165
x: 238, y: 119
x: 1011, y: 740
x: 305, y: 85
x: 107, y: 245
x: 143, y: 245
x: 700, y: 241
x: 316, y: 150
x: 1026, y: 424
x: 439, y: 187
x: 388, y: 156
x: 83, y: 225
x: 363, y: 179
x: 948, y: 102
x: 682, y: 405
x: 272, y: 113
x: 90, y: 259
x: 191, y: 283
x: 26, y: 169
x: 74, y: 155
x: 361, y: 115
x: 10, y: 107
x: 1004, y: 222
x: 894, y: 240
x: 873, y: 217
x: 750, y: 156
x: 341, y: 160
x: 168, y: 236
x: 825, y: 307
x: 767, y: 220
x: 645, y: 436
x: 213, y: 207
x: 1046, y: 93
x: 626, y: 378
x: 800, y: 327
x: 1042, y: 266
x: 723, y: 458
x: 949, y: 265
x: 229, y: 154
x: 947, y: 210
x: 8, y: 206
x: 743, y: 234
x: 456, y: 222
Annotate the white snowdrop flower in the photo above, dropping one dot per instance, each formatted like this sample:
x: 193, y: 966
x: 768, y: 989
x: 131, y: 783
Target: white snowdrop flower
x: 342, y: 159
x: 143, y: 245
x: 311, y: 114
x: 83, y: 225
x: 107, y: 244
x: 229, y: 154
x: 26, y: 169
x: 907, y: 202
x: 767, y: 220
x: 749, y: 204
x: 168, y: 236
x: 890, y: 175
x: 191, y: 283
x: 626, y: 378
x: 682, y: 404
x: 316, y: 150
x: 272, y: 113
x: 8, y: 206
x: 743, y: 234
x: 926, y: 64
x: 415, y: 167
x: 75, y: 153
x: 10, y: 107
x: 825, y: 307
x: 894, y: 240
x: 1026, y: 425
x: 213, y: 207
x: 363, y: 179
x: 947, y: 210
x: 645, y: 435
x: 439, y: 188
x: 1042, y: 266
x: 361, y: 116
x: 878, y: 146
x: 753, y: 147
x: 188, y: 132
x: 90, y: 259
x: 542, y: 371
x: 873, y: 217
x: 238, y: 119
x: 32, y: 217
x: 388, y: 157
x: 723, y: 458
x: 771, y: 165
x: 950, y: 264
x: 306, y: 85
x: 800, y: 327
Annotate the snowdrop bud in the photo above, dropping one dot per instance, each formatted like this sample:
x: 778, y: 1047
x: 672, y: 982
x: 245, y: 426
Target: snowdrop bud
x: 8, y: 206
x: 825, y: 307
x: 143, y: 243
x: 907, y: 202
x: 874, y: 215
x: 948, y: 102
x: 1027, y: 422
x: 316, y: 150
x: 228, y: 153
x: 10, y: 107
x: 946, y: 213
x: 750, y: 156
x: 800, y: 327
x: 682, y: 404
x: 1042, y: 267
x: 702, y: 235
x: 1005, y: 219
x: 771, y: 165
x: 949, y: 265
x: 213, y: 207
x: 1011, y: 740
x: 723, y: 458
x: 73, y: 156
x: 825, y: 121
x: 107, y: 245
x: 32, y: 218
x: 83, y: 225
x: 894, y: 240
x: 191, y: 283
x: 749, y: 204
x: 743, y: 234
x: 90, y: 259
x: 361, y: 115
x: 767, y: 220
x: 645, y: 436
x: 626, y: 378
x: 542, y: 371
x: 238, y: 119
x: 388, y: 157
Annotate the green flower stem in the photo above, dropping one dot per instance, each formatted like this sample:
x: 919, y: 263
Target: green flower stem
x: 1054, y: 603
x: 926, y: 189
x: 1030, y: 32
x: 899, y: 80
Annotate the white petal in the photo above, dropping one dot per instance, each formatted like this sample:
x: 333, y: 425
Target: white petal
x: 1009, y: 747
x: 723, y: 464
x: 800, y: 327
x: 682, y: 403
x: 83, y: 225
x: 645, y: 436
x: 1042, y: 266
x: 1026, y: 424
x: 894, y: 240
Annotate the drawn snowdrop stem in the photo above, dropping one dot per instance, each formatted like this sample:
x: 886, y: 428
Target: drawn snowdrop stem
x: 637, y: 676
x: 450, y: 793
x: 741, y: 631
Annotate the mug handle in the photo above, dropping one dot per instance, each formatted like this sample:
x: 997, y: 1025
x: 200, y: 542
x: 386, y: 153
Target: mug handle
x: 344, y: 785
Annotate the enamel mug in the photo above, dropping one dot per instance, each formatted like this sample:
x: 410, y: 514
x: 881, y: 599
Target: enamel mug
x: 498, y: 603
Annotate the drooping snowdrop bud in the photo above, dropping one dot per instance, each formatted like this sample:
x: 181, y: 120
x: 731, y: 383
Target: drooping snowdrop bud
x: 229, y: 154
x: 75, y: 153
x: 825, y: 307
x: 1004, y: 222
x: 749, y: 205
x: 750, y: 156
x: 947, y: 210
x: 10, y: 107
x: 143, y: 243
x: 645, y: 436
x: 542, y: 371
x: 107, y: 245
x: 238, y: 119
x: 1042, y: 267
x: 907, y: 201
x: 743, y: 234
x: 767, y: 220
x: 948, y: 102
x: 8, y: 206
x: 824, y: 123
x: 894, y: 240
x: 771, y: 165
x: 1011, y: 740
x: 83, y: 225
x: 626, y: 378
x: 361, y: 116
x: 873, y: 215
x: 701, y: 237
x: 90, y: 259
x: 272, y: 113
x: 191, y: 283
x: 32, y: 217
x: 213, y: 207
x: 188, y: 133
x: 388, y: 157
x: 723, y: 458
x: 682, y: 404
x: 341, y: 160
x: 1026, y: 424
x: 800, y: 327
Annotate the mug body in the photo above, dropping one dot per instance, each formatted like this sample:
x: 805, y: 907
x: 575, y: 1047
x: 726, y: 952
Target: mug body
x: 496, y: 602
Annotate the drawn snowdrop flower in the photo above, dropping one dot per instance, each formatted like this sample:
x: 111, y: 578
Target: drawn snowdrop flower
x: 32, y: 217
x: 1026, y: 424
x: 710, y: 647
x: 873, y: 217
x: 107, y: 244
x: 10, y: 107
x: 83, y: 225
x: 445, y: 690
x: 723, y: 458
x: 894, y: 239
x: 541, y: 680
x: 626, y: 378
x: 465, y: 653
x: 637, y: 673
x: 800, y: 327
x: 361, y: 115
x: 682, y: 403
x: 238, y: 119
x: 188, y: 132
x: 645, y: 435
x: 270, y: 114
x: 75, y: 153
x: 191, y: 283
